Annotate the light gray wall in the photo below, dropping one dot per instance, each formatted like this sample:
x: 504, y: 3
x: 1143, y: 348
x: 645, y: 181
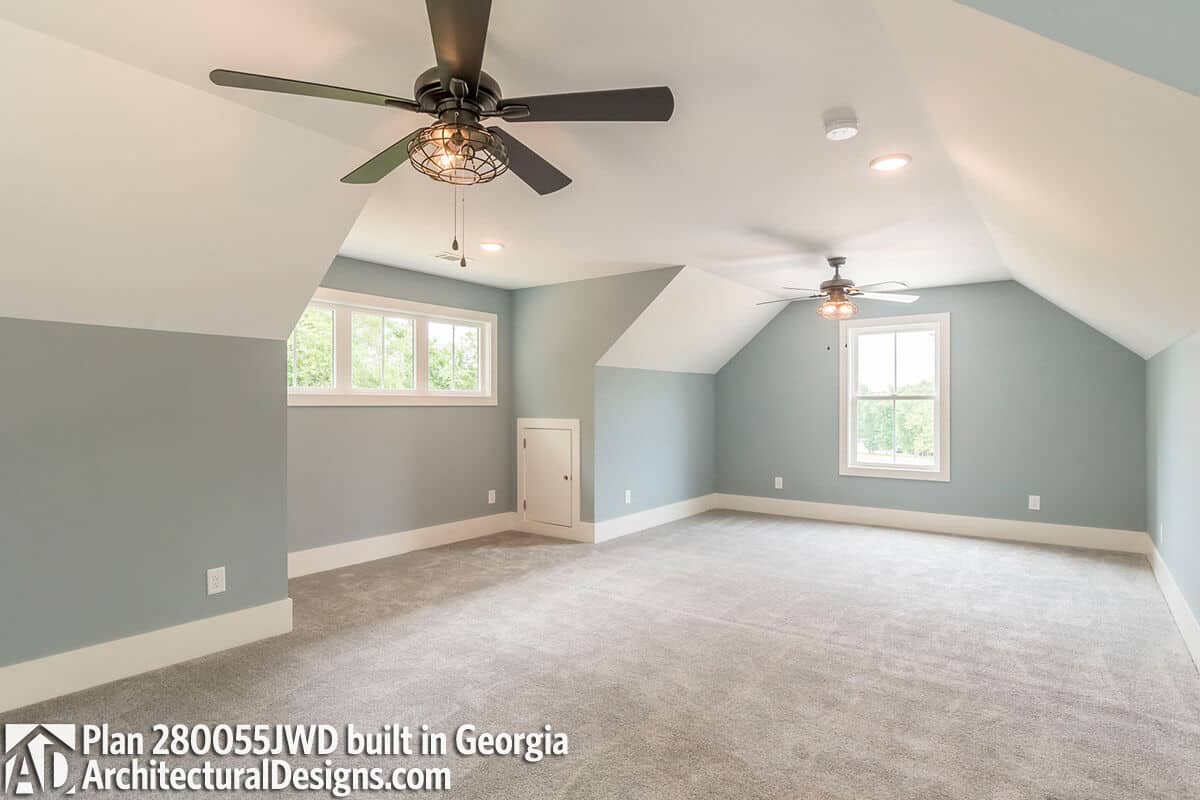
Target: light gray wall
x: 1040, y: 404
x: 355, y: 472
x: 560, y: 332
x: 1155, y: 38
x: 655, y: 435
x: 1173, y: 434
x: 130, y: 462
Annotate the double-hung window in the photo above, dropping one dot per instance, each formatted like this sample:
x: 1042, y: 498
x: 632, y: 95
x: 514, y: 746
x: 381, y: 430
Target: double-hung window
x: 359, y: 349
x: 895, y: 397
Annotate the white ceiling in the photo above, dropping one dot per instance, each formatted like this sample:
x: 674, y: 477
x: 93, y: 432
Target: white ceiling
x: 740, y: 182
x: 130, y: 200
x: 1004, y: 127
x: 1084, y: 173
x: 670, y: 335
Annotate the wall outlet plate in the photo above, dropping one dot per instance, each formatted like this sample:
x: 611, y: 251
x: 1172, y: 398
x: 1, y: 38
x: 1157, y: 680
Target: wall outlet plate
x: 778, y: 483
x: 491, y: 497
x: 1035, y: 502
x: 216, y: 580
x: 628, y: 496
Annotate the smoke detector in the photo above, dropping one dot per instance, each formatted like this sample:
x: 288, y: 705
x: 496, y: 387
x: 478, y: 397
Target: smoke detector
x: 840, y: 124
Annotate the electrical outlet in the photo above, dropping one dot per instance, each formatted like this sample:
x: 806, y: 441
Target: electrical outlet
x: 628, y: 496
x: 491, y: 497
x: 1035, y: 502
x: 778, y: 483
x: 216, y: 580
x: 1162, y: 535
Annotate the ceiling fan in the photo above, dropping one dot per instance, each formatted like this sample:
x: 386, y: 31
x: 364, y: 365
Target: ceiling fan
x: 838, y: 292
x: 458, y: 149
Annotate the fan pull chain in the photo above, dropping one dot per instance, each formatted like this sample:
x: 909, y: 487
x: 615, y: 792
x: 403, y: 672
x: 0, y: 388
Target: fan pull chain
x: 463, y: 262
x: 454, y: 244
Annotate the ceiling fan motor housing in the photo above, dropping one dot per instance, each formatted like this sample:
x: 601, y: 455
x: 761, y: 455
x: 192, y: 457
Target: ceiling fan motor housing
x: 433, y: 98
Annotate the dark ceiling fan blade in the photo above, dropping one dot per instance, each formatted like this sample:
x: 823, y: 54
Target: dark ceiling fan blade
x: 269, y: 83
x: 542, y: 176
x: 459, y: 29
x: 379, y: 166
x: 650, y: 104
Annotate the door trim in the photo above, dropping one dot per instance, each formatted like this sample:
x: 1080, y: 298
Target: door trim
x: 574, y: 531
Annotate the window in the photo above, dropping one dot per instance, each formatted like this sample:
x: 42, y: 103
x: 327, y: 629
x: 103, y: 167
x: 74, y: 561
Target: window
x: 358, y: 349
x: 895, y: 397
x: 310, y: 350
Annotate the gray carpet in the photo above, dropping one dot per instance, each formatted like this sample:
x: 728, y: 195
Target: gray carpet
x: 731, y: 655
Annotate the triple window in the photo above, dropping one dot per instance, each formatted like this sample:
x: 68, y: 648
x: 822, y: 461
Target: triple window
x: 357, y: 349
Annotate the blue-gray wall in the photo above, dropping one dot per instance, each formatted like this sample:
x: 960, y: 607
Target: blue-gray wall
x: 560, y: 332
x: 1040, y: 404
x: 130, y: 462
x: 655, y: 435
x: 1173, y: 435
x: 1156, y: 38
x: 360, y: 471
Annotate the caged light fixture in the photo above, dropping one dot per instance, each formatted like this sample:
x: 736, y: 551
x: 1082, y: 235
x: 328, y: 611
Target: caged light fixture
x: 463, y: 154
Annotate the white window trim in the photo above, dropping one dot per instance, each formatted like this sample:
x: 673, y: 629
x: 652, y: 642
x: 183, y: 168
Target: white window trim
x: 847, y: 329
x: 345, y: 303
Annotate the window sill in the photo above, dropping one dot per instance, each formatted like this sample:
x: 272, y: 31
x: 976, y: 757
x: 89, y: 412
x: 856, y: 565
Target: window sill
x: 301, y: 399
x: 853, y: 471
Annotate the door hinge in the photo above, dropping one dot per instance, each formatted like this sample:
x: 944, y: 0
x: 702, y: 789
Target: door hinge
x: 524, y: 443
x: 524, y: 504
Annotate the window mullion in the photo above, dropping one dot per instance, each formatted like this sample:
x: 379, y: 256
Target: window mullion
x: 341, y: 350
x: 421, y: 355
x: 382, y: 356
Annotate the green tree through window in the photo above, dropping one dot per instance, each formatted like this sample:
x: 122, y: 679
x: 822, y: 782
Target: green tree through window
x: 310, y: 350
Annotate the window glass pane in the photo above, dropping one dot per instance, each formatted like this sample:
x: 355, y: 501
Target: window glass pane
x: 466, y: 358
x: 291, y: 355
x: 876, y: 363
x: 366, y: 350
x: 914, y: 432
x: 312, y: 349
x: 441, y: 356
x: 875, y: 429
x: 915, y: 362
x: 398, y: 353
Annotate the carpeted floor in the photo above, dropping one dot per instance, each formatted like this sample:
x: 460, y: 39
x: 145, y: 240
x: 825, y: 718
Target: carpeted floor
x: 730, y: 656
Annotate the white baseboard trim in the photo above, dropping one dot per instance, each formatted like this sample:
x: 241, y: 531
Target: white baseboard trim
x: 345, y: 554
x: 980, y: 527
x: 653, y: 517
x: 1185, y: 619
x: 63, y: 673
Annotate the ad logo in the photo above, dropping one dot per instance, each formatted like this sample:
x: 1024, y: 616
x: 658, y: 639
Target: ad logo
x: 35, y: 758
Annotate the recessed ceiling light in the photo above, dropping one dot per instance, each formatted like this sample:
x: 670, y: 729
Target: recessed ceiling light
x: 491, y: 247
x: 891, y: 162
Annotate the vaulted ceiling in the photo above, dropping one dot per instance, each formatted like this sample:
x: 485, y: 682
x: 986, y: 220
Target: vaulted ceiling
x: 143, y: 195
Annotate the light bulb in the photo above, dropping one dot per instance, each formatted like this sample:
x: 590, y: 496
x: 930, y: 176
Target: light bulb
x: 837, y: 308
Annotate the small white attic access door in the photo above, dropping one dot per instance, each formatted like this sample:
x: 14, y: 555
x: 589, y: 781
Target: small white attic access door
x: 548, y: 474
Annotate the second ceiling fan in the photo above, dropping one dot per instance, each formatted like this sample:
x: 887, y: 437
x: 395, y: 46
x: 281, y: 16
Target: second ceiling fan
x: 458, y: 149
x: 836, y: 293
